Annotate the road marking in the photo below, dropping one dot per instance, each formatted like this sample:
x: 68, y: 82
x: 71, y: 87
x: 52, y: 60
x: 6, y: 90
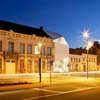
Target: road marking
x: 16, y: 91
x: 67, y: 92
x: 9, y: 92
x: 40, y: 89
x: 37, y: 89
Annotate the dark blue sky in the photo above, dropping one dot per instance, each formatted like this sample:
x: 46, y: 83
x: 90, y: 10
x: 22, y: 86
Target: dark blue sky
x: 67, y: 17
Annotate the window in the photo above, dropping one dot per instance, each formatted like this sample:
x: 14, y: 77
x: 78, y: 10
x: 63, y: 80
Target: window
x: 48, y: 65
x: 43, y: 50
x: 22, y: 66
x: 29, y: 49
x: 83, y: 59
x: 0, y: 45
x: 29, y: 66
x: 11, y: 47
x: 79, y: 60
x: 71, y: 59
x: 94, y: 60
x: 49, y: 51
x: 36, y: 49
x: 36, y: 66
x: 22, y: 48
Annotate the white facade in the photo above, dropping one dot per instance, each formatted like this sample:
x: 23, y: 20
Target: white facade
x: 61, y: 55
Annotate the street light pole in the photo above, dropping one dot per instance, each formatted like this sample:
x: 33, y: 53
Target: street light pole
x: 87, y: 65
x: 40, y: 62
x: 88, y: 46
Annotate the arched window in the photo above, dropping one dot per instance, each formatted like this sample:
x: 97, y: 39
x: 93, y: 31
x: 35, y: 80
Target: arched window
x: 22, y: 66
x: 29, y: 66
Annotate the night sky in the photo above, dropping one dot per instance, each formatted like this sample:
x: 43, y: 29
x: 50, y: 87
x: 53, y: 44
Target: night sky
x: 67, y: 17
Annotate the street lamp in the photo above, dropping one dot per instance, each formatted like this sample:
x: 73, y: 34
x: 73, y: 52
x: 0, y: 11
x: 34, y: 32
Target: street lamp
x: 88, y: 46
x: 86, y: 35
x: 40, y: 63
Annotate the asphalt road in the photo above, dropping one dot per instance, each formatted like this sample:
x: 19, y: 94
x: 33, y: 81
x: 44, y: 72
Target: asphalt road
x: 64, y: 91
x: 62, y: 88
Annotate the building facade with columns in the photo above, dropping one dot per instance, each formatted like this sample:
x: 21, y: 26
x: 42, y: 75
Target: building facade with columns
x: 78, y: 62
x: 22, y: 46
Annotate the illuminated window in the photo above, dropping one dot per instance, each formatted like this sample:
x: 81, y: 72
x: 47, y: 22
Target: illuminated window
x: 0, y: 45
x: 76, y: 67
x: 29, y: 49
x: 11, y: 47
x: 22, y: 66
x: 36, y: 49
x: 22, y: 48
x: 29, y: 66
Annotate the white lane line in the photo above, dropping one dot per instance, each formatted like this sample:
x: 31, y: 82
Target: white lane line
x: 10, y: 92
x: 45, y: 90
x: 23, y: 90
x: 17, y: 91
x: 72, y: 91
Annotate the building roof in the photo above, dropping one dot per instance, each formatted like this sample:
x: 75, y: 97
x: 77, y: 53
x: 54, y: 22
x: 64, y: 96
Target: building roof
x: 5, y: 25
x: 54, y: 35
x: 80, y: 51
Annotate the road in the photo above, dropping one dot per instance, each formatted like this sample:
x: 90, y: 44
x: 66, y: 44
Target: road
x: 71, y: 89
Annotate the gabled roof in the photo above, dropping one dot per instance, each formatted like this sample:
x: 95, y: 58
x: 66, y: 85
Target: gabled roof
x: 54, y: 35
x: 5, y: 25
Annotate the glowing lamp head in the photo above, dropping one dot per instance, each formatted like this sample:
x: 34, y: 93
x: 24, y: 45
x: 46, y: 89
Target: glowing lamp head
x: 86, y: 34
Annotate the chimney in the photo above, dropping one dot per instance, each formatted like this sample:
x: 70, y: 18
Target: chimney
x: 41, y: 27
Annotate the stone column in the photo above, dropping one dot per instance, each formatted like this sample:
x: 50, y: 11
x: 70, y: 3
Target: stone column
x: 25, y: 61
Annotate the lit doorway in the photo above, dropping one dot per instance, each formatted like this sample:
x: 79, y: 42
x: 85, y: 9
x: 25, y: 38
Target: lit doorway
x: 10, y: 67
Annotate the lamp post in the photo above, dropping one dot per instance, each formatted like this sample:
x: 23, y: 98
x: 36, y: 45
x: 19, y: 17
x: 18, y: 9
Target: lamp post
x: 40, y: 62
x: 51, y: 64
x: 88, y: 46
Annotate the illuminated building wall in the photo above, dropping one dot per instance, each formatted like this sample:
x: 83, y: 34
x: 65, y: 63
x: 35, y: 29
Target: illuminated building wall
x: 20, y: 51
x: 78, y: 63
x: 61, y: 53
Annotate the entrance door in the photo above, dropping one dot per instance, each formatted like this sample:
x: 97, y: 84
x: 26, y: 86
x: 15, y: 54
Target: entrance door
x: 10, y: 67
